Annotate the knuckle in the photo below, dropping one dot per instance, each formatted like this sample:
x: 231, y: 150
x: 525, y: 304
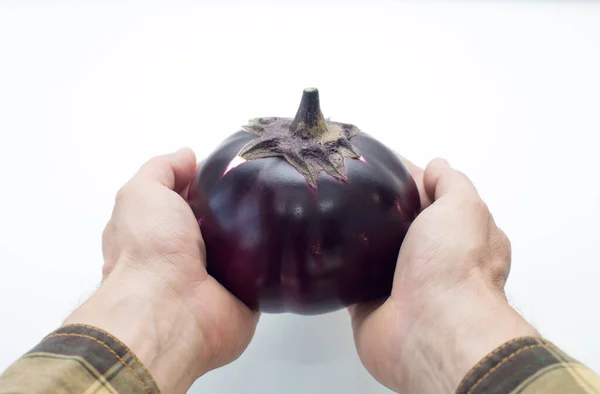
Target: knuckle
x: 474, y: 205
x: 479, y: 207
x: 499, y: 274
x: 503, y: 237
x: 106, y: 270
x: 108, y: 238
x: 122, y: 193
x: 157, y: 160
x: 126, y: 191
x: 506, y: 245
x: 461, y: 177
x: 156, y: 163
x: 108, y: 231
x: 502, y: 244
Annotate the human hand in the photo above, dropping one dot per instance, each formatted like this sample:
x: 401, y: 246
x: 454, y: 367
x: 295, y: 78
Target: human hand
x: 447, y: 309
x: 156, y: 295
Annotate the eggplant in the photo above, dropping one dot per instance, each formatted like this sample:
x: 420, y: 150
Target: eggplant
x: 303, y: 215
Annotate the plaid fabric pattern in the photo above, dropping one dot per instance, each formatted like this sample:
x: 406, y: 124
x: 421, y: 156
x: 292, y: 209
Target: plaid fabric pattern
x: 84, y: 359
x: 78, y: 359
x: 526, y: 366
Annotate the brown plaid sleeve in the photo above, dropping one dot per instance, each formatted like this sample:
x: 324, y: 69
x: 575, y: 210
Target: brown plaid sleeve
x: 526, y: 366
x: 78, y: 359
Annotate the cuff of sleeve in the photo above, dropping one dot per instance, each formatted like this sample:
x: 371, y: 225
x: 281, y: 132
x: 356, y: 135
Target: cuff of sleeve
x: 96, y: 358
x: 525, y: 365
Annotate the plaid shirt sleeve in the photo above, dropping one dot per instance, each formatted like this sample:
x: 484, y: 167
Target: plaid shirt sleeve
x: 78, y: 359
x: 83, y: 359
x: 526, y: 366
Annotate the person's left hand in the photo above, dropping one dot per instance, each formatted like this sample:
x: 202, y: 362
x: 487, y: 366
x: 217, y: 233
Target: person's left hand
x: 156, y: 295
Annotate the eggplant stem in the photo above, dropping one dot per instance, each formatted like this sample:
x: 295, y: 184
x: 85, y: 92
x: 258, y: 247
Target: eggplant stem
x: 309, y: 122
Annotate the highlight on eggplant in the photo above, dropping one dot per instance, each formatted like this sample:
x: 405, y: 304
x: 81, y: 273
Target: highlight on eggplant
x: 303, y: 215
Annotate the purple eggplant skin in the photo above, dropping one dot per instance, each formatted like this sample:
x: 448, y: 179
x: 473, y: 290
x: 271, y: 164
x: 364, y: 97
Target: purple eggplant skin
x: 280, y: 245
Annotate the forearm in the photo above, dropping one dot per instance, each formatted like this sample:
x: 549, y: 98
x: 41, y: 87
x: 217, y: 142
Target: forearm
x: 132, y: 335
x: 474, y: 343
x: 451, y: 335
x: 141, y: 312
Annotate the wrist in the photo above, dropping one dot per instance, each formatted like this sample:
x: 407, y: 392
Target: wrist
x: 451, y: 332
x: 150, y: 318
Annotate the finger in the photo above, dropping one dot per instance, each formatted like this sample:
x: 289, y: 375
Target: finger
x: 185, y: 192
x: 174, y: 171
x: 417, y: 174
x: 440, y: 179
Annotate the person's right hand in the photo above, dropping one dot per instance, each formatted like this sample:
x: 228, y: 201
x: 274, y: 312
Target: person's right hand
x: 447, y: 309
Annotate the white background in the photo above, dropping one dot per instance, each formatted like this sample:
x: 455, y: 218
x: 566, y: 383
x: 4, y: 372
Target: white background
x: 509, y: 93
